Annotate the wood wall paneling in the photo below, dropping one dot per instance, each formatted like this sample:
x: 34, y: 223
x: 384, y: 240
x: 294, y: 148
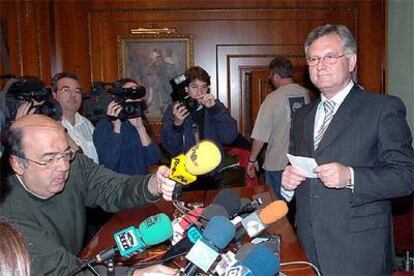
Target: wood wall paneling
x: 229, y: 37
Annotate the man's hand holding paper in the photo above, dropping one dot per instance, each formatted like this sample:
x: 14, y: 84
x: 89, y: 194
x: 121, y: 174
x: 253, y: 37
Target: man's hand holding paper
x: 293, y: 175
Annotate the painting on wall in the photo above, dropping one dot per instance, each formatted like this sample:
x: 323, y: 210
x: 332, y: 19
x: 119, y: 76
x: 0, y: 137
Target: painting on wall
x: 153, y: 60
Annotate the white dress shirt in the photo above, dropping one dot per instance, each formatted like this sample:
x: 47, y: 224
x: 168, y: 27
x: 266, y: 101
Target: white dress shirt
x: 81, y: 133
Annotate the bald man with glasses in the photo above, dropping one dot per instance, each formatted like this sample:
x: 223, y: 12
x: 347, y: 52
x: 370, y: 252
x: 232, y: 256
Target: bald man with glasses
x: 50, y: 186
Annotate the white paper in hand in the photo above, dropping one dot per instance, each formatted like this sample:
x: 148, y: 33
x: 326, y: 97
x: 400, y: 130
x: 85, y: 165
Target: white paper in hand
x: 306, y: 164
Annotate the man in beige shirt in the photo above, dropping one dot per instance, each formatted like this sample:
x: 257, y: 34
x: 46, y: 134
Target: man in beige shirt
x: 273, y: 122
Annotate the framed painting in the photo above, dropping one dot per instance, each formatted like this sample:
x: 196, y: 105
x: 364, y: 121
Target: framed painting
x: 153, y: 60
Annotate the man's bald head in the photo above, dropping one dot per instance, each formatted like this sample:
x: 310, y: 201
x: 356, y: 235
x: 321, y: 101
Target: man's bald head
x: 36, y: 121
x: 27, y: 127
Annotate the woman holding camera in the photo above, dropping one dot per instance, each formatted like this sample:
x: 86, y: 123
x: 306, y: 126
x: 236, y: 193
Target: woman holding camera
x: 197, y: 116
x: 122, y: 141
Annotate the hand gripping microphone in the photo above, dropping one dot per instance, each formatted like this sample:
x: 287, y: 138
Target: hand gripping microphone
x: 201, y: 159
x: 217, y: 235
x: 154, y: 230
x: 256, y: 222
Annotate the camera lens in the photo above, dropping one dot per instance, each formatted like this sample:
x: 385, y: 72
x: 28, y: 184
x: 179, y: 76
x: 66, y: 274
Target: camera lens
x: 131, y: 110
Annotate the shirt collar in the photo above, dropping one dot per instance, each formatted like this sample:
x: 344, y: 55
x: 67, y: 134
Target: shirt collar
x: 340, y: 96
x: 28, y: 190
x: 78, y: 120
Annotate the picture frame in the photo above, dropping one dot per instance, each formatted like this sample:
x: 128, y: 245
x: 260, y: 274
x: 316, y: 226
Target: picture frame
x: 153, y: 60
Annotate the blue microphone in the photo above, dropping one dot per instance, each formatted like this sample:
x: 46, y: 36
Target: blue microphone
x: 255, y: 259
x: 217, y: 234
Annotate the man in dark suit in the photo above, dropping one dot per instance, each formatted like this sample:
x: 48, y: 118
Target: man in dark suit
x: 362, y: 145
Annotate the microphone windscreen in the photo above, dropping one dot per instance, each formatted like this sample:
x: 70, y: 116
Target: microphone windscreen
x: 156, y: 229
x: 244, y: 251
x: 211, y: 211
x: 273, y: 212
x: 219, y: 231
x: 229, y: 200
x: 261, y: 261
x: 202, y: 158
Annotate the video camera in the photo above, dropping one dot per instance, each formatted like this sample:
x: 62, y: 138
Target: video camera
x: 179, y: 94
x: 97, y: 100
x: 30, y: 89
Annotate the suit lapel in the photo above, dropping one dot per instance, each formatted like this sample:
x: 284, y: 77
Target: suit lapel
x: 342, y: 119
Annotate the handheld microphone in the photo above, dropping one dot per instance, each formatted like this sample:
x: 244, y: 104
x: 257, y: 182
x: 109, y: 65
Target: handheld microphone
x: 184, y: 242
x: 256, y: 222
x: 201, y: 159
x: 197, y: 216
x: 218, y: 233
x: 254, y: 260
x: 246, y: 207
x: 224, y: 203
x: 153, y: 230
x: 181, y: 224
x: 211, y: 211
x: 229, y: 200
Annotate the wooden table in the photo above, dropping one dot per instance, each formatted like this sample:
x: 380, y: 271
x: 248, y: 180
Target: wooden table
x: 291, y: 249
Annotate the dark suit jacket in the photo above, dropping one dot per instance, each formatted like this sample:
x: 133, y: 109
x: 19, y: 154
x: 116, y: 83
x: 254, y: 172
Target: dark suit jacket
x: 345, y: 232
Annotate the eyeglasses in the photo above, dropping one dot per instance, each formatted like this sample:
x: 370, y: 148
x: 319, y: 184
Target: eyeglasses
x: 51, y: 161
x: 328, y: 59
x: 67, y: 90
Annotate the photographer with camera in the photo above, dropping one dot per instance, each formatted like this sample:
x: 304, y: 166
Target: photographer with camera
x: 28, y: 95
x: 68, y: 92
x: 122, y: 139
x: 25, y: 95
x: 195, y: 115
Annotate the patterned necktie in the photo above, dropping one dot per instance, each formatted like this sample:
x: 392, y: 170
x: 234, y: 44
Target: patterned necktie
x: 329, y: 107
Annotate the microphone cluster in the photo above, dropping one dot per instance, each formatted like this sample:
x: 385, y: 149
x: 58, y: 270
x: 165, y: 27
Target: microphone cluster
x: 224, y: 224
x: 210, y: 237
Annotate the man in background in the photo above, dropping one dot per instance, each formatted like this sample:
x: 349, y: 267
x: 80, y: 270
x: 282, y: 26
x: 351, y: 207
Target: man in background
x: 273, y: 122
x: 68, y: 92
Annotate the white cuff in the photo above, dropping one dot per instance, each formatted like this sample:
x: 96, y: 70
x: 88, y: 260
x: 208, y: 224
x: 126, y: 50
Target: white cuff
x: 287, y: 194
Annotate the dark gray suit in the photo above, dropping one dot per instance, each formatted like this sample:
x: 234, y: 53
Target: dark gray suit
x: 345, y: 232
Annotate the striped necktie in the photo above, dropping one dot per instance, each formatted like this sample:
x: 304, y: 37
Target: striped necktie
x: 329, y: 107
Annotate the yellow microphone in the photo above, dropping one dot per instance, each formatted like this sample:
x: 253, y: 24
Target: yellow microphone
x: 201, y: 159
